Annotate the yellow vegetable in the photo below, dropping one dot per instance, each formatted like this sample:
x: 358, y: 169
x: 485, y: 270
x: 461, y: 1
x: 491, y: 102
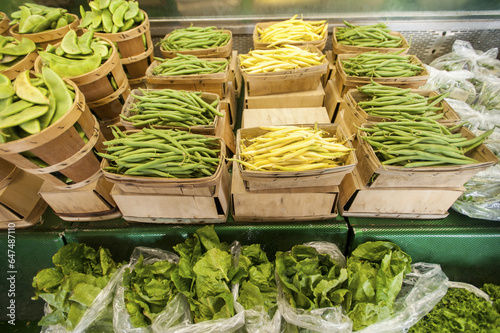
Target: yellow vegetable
x: 292, y: 148
x: 293, y: 30
x: 286, y: 57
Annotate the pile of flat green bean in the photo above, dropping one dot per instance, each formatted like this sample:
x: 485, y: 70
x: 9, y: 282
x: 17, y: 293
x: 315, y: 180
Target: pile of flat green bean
x: 165, y: 153
x: 400, y: 104
x: 194, y: 38
x: 413, y: 144
x: 13, y: 51
x: 376, y: 64
x: 188, y: 65
x: 376, y: 35
x: 171, y: 108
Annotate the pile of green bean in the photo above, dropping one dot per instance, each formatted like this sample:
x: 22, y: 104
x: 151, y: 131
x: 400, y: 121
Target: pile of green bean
x: 376, y: 64
x: 188, y: 65
x: 34, y: 18
x: 413, y: 144
x: 194, y: 38
x: 376, y: 35
x: 12, y: 50
x: 169, y: 107
x: 400, y: 104
x: 165, y: 153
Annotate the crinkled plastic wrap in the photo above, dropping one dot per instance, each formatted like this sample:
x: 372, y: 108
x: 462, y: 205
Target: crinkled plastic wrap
x: 121, y: 318
x: 99, y: 316
x: 455, y: 83
x: 465, y: 57
x: 469, y: 287
x: 422, y: 289
x: 477, y: 117
x: 324, y: 320
x: 489, y: 93
x: 177, y: 318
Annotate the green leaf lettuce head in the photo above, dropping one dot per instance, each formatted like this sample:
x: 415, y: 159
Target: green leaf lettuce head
x: 493, y: 291
x: 375, y: 276
x: 205, y: 275
x: 148, y: 289
x: 256, y: 278
x: 310, y: 280
x: 69, y: 288
x: 460, y: 310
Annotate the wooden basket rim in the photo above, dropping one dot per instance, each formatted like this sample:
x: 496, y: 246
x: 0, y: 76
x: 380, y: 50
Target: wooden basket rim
x: 4, y: 23
x: 249, y: 174
x: 139, y: 57
x: 52, y: 131
x: 10, y: 176
x: 361, y: 49
x: 320, y: 43
x: 105, y: 100
x: 170, y: 182
x: 40, y: 37
x: 452, y: 168
x: 13, y: 71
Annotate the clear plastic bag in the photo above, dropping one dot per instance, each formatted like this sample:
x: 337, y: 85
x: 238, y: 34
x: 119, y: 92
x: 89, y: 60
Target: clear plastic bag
x: 489, y: 93
x: 325, y: 320
x: 464, y: 57
x: 121, y: 318
x: 477, y: 118
x: 422, y: 289
x: 455, y: 83
x: 98, y: 317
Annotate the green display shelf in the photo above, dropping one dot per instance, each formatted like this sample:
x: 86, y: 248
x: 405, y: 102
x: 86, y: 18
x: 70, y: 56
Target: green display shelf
x: 122, y: 237
x: 467, y: 249
x: 32, y: 250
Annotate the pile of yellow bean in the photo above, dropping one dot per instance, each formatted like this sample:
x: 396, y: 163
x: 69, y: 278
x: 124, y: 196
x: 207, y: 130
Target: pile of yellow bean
x: 292, y: 148
x: 293, y: 30
x: 287, y: 57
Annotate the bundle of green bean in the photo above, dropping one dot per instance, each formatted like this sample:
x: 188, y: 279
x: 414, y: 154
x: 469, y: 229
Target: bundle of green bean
x: 194, y: 38
x: 111, y: 16
x: 400, y: 104
x: 376, y: 35
x: 422, y: 143
x: 162, y: 153
x: 376, y: 64
x: 188, y: 65
x: 169, y: 107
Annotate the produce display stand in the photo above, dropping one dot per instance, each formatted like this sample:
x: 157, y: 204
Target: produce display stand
x: 466, y: 248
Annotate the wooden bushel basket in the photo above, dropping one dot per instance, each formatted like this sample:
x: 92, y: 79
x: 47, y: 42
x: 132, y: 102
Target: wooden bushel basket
x: 26, y: 63
x: 320, y: 179
x: 20, y: 204
x: 109, y: 107
x: 287, y: 81
x: 92, y: 202
x: 346, y: 82
x: 4, y: 24
x: 214, y: 52
x: 45, y: 38
x: 96, y: 85
x: 373, y: 174
x: 258, y: 45
x: 338, y: 48
x: 60, y: 146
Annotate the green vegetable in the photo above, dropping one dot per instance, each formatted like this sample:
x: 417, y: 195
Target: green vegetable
x: 162, y: 153
x: 205, y: 275
x: 35, y: 18
x: 69, y: 288
x: 148, y: 289
x: 493, y: 291
x: 188, y: 65
x: 376, y: 64
x: 375, y: 277
x: 310, y: 280
x: 460, y: 311
x: 111, y: 16
x: 194, y: 38
x: 258, y: 285
x: 376, y: 35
